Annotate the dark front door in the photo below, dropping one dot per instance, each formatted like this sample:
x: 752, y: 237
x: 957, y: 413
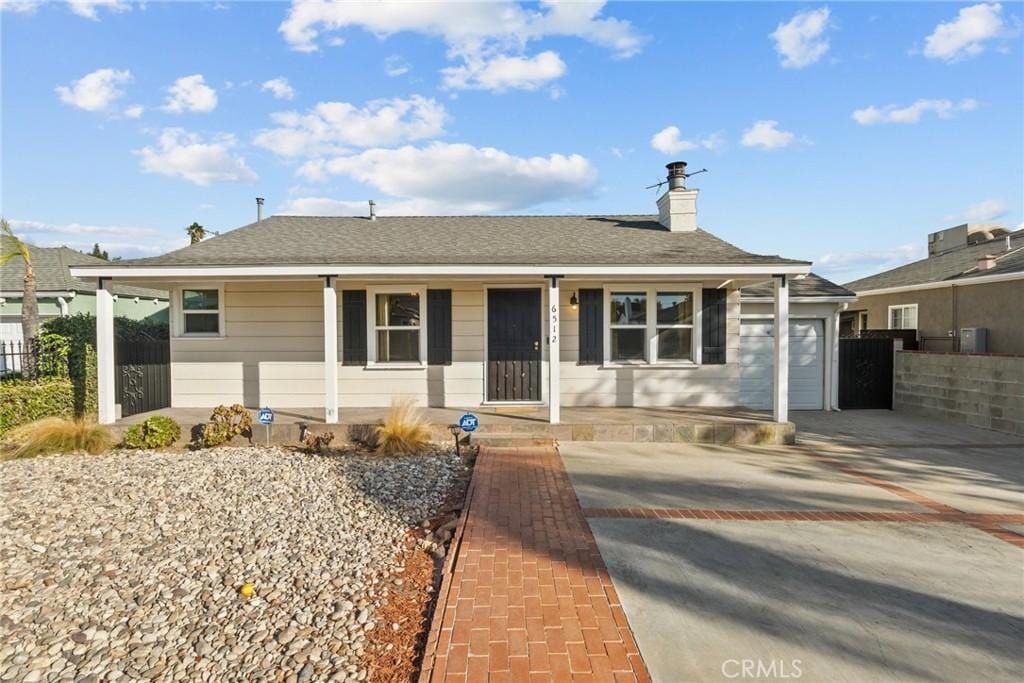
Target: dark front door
x: 513, y: 345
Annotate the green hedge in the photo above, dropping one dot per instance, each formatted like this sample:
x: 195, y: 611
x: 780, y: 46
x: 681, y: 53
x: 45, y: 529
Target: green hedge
x: 22, y: 402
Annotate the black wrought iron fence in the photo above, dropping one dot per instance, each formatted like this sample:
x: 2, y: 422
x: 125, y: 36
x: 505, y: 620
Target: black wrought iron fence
x: 15, y: 356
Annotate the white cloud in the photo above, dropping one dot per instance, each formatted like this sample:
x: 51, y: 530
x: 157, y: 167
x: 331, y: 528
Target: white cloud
x: 505, y: 72
x: 983, y: 211
x: 26, y: 227
x: 20, y: 6
x: 134, y: 111
x: 800, y: 41
x: 395, y: 66
x: 670, y: 141
x: 479, y: 35
x: 473, y: 179
x: 966, y: 35
x: 324, y: 206
x: 187, y: 155
x: 280, y: 88
x: 766, y: 135
x: 462, y: 24
x: 849, y: 265
x: 330, y: 127
x: 893, y: 113
x: 190, y: 93
x: 95, y: 91
x: 89, y: 8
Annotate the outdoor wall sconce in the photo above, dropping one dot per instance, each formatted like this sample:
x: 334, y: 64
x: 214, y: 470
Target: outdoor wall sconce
x: 573, y: 301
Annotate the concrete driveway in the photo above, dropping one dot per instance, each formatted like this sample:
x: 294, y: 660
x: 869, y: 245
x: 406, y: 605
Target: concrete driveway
x: 883, y: 547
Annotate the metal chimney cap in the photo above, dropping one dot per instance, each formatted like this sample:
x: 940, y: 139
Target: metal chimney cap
x: 676, y: 168
x: 259, y: 200
x: 676, y: 175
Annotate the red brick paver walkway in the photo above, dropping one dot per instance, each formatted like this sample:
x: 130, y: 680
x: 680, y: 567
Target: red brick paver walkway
x: 527, y: 596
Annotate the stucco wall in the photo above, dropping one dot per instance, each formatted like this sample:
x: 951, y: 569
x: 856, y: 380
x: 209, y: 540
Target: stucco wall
x: 979, y: 390
x: 272, y: 354
x: 998, y: 306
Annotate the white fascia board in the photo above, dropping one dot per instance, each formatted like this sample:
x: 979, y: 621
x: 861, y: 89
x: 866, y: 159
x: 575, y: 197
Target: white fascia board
x: 216, y: 272
x: 959, y: 282
x: 799, y: 299
x: 47, y: 294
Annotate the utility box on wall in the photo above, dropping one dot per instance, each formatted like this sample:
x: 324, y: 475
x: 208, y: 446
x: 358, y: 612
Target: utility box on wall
x: 973, y: 340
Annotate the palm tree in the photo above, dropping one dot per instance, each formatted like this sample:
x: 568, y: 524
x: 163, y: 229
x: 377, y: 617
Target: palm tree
x: 196, y: 233
x: 15, y: 248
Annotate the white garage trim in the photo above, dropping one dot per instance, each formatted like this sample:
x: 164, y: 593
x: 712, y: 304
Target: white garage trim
x: 822, y: 398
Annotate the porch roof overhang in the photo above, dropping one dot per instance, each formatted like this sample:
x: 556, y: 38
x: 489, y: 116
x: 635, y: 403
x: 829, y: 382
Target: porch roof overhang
x: 165, y: 273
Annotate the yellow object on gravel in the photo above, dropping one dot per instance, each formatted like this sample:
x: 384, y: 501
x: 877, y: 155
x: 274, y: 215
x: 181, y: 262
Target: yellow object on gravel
x: 247, y: 590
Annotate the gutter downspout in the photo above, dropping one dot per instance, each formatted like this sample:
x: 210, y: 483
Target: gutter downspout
x: 834, y: 360
x: 63, y: 304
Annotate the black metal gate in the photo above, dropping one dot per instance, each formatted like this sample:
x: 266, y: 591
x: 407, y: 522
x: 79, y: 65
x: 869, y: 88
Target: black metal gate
x: 142, y: 375
x: 513, y: 345
x: 865, y: 373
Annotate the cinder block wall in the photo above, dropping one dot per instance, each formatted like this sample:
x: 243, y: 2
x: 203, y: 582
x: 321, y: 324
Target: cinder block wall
x: 980, y: 390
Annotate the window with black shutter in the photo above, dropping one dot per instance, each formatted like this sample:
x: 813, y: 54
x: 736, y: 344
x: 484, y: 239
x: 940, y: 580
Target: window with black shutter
x: 591, y: 327
x: 713, y: 326
x: 439, y: 326
x: 353, y: 327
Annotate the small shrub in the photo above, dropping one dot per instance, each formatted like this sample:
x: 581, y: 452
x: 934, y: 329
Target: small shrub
x: 156, y: 432
x: 58, y: 435
x: 318, y: 443
x: 404, y: 431
x: 225, y: 424
x: 23, y: 401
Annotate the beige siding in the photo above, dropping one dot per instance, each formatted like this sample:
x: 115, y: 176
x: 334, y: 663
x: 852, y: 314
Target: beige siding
x: 272, y: 354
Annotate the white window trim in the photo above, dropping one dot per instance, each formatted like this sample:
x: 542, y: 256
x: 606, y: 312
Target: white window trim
x: 901, y: 307
x: 372, y: 328
x: 651, y: 291
x: 178, y: 306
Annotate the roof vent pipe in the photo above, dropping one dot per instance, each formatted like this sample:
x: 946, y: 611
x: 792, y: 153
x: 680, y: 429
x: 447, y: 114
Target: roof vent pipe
x: 373, y: 210
x: 676, y: 175
x: 259, y: 209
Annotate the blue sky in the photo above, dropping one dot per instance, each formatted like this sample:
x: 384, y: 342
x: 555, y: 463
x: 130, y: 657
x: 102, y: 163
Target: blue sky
x: 839, y: 132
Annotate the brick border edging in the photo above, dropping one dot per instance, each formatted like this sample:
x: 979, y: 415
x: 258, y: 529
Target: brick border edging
x: 444, y: 590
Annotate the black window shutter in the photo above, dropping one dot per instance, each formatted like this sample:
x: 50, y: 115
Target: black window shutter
x: 439, y: 326
x: 713, y: 326
x: 591, y: 326
x: 353, y: 327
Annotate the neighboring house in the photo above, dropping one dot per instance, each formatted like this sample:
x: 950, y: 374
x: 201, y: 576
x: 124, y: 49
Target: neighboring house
x: 973, y: 278
x: 62, y: 294
x: 464, y: 311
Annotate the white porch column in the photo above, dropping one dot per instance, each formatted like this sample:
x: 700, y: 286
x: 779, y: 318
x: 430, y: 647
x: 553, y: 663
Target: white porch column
x: 554, y: 356
x: 781, y: 398
x: 105, y: 353
x: 330, y: 351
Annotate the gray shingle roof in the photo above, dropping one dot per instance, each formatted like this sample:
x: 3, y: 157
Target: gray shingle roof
x: 444, y: 240
x: 52, y: 274
x: 952, y: 265
x: 813, y: 285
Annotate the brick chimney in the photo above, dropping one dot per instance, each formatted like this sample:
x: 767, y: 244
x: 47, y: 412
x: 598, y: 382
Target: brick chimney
x: 677, y: 208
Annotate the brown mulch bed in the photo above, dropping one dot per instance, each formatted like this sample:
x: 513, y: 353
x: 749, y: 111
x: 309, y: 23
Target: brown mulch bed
x: 395, y: 655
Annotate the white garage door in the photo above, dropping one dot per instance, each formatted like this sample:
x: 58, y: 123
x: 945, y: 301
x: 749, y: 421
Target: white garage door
x: 806, y: 364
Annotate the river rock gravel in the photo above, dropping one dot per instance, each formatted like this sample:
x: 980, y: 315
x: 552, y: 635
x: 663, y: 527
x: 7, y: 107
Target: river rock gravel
x: 128, y: 566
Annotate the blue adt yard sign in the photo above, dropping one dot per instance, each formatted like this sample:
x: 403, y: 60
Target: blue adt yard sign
x: 266, y: 416
x: 468, y: 422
